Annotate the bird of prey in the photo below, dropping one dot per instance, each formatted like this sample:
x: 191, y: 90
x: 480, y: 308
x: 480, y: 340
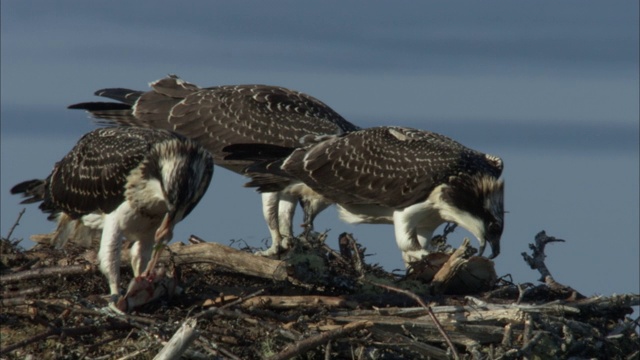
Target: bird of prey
x: 131, y: 182
x: 411, y: 178
x: 223, y: 115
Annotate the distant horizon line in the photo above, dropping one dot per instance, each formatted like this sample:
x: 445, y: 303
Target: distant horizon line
x: 547, y: 133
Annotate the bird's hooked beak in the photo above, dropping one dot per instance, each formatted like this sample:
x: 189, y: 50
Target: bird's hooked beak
x: 495, y: 246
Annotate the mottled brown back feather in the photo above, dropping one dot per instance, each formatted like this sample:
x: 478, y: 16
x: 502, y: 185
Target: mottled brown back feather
x: 224, y: 115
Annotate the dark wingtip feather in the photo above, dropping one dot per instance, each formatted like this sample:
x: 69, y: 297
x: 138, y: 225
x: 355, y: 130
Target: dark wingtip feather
x: 256, y: 152
x: 99, y: 106
x: 123, y: 95
x: 32, y: 190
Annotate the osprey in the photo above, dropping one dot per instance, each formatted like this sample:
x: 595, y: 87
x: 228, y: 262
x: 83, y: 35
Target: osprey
x: 131, y: 182
x: 414, y: 179
x: 224, y: 115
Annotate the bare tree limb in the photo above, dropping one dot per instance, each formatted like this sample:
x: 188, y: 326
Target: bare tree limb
x: 536, y: 261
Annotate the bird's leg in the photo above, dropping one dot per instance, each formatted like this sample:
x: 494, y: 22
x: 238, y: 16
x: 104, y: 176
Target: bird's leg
x: 404, y: 224
x: 270, y: 212
x: 141, y: 254
x: 311, y: 207
x: 144, y: 256
x: 286, y: 210
x: 109, y: 253
x: 307, y: 221
x: 425, y: 239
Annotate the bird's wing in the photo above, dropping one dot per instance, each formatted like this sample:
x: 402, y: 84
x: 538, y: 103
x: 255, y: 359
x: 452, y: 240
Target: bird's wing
x: 389, y: 166
x: 92, y: 176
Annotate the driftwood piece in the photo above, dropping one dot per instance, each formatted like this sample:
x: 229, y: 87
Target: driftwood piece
x: 223, y: 256
x: 180, y: 341
x: 200, y: 251
x: 536, y: 261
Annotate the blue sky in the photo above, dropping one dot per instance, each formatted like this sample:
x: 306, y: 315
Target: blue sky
x: 551, y: 87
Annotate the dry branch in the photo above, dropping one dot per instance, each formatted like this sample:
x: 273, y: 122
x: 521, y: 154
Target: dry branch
x: 295, y: 302
x: 46, y: 272
x: 312, y: 342
x: 15, y: 224
x: 429, y: 310
x: 536, y: 261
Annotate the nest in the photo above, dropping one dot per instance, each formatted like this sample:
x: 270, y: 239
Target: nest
x: 220, y: 302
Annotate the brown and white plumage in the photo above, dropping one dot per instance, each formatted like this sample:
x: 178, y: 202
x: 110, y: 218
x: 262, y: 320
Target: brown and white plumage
x: 412, y: 178
x: 224, y: 115
x: 131, y: 182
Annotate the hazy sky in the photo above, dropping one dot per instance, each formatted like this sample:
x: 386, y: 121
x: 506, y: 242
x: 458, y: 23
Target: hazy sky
x: 551, y: 87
